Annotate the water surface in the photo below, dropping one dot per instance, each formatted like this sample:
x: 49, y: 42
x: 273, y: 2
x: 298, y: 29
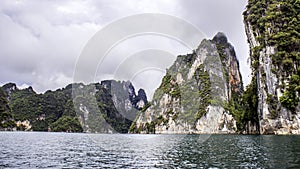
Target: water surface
x: 66, y: 150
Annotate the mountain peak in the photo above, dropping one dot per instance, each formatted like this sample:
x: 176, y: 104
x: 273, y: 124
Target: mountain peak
x: 10, y: 86
x: 220, y: 38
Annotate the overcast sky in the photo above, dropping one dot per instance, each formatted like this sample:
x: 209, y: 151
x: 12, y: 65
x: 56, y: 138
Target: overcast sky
x: 40, y: 41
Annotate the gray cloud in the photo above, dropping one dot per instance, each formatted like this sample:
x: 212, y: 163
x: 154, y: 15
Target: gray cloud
x: 41, y: 40
x: 221, y: 16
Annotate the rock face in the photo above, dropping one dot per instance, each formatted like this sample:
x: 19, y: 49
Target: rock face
x: 97, y: 108
x: 192, y: 94
x: 124, y: 95
x: 6, y: 120
x: 273, y: 35
x: 230, y: 63
x: 107, y: 107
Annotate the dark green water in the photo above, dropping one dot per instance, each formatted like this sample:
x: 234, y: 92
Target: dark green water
x: 62, y: 150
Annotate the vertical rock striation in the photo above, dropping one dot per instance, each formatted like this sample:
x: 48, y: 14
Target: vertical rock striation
x: 272, y: 28
x: 193, y: 93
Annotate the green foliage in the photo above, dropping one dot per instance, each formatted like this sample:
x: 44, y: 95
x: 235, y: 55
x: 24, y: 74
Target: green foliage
x: 53, y: 108
x: 150, y: 127
x: 3, y: 101
x: 167, y: 86
x: 272, y: 105
x: 6, y: 119
x: 27, y: 105
x: 175, y: 92
x: 276, y: 23
x: 66, y: 124
x: 109, y: 113
x: 204, y: 84
x: 196, y: 96
x: 39, y: 125
x: 146, y: 107
x: 133, y: 128
x: 244, y: 108
x: 289, y: 100
x: 250, y: 104
x: 69, y: 109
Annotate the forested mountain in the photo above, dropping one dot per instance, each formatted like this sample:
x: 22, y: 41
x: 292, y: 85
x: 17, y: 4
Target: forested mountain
x: 6, y: 119
x: 75, y: 108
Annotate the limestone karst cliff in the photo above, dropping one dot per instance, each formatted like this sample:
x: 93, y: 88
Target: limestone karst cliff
x: 193, y: 93
x: 273, y: 32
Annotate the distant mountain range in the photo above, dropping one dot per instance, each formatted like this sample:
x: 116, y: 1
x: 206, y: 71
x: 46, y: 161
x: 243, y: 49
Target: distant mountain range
x: 105, y: 107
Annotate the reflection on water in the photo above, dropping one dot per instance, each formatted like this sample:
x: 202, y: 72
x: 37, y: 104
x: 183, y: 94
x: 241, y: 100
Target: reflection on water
x: 64, y: 150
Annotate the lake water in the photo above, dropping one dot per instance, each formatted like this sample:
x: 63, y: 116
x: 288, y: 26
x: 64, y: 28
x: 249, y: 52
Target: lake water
x: 66, y: 150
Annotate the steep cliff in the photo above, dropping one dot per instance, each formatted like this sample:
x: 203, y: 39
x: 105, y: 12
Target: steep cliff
x: 193, y: 93
x: 108, y: 107
x: 273, y: 33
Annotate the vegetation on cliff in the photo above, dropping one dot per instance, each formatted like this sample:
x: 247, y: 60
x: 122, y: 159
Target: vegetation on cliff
x: 6, y: 119
x: 75, y: 108
x: 191, y: 87
x: 276, y: 24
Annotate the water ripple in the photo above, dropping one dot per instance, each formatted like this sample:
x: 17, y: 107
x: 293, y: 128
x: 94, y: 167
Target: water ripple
x: 65, y: 150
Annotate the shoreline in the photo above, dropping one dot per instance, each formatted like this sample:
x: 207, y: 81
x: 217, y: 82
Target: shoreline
x: 5, y: 131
